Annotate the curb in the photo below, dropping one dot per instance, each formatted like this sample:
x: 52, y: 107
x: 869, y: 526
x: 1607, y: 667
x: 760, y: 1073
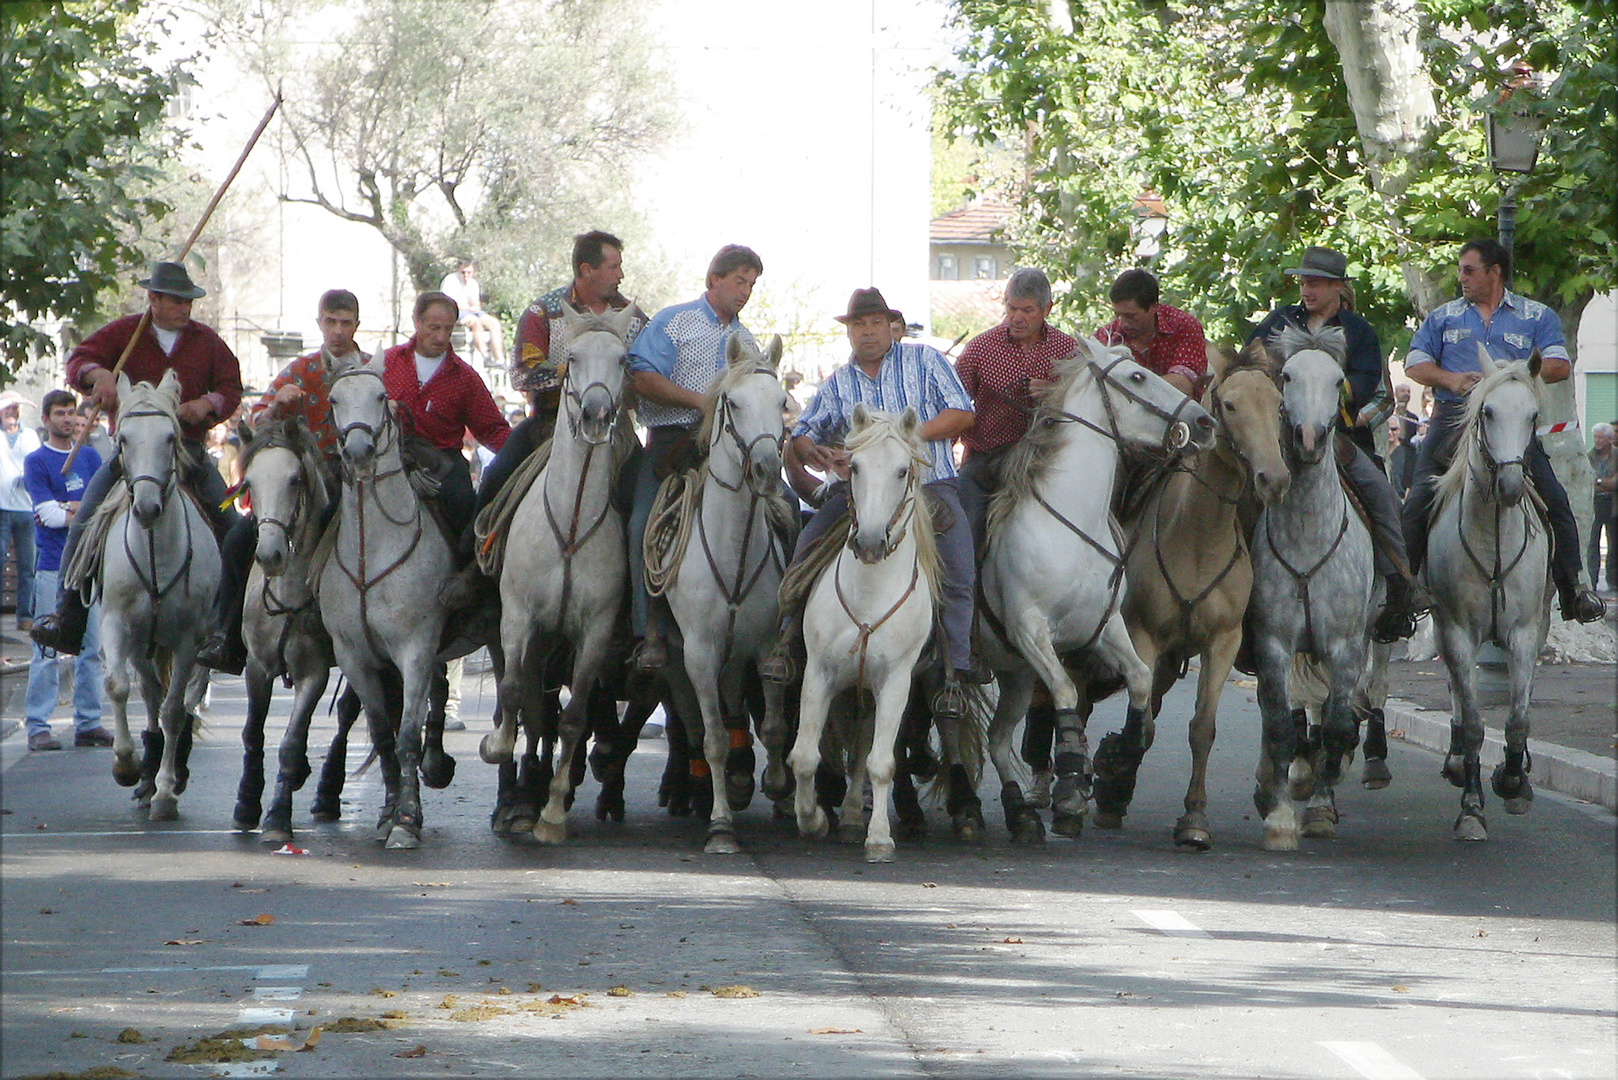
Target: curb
x: 1578, y: 773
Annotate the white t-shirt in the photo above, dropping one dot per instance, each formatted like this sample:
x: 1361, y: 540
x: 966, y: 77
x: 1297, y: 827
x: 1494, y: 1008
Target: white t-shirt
x: 427, y: 367
x: 467, y: 294
x: 167, y: 338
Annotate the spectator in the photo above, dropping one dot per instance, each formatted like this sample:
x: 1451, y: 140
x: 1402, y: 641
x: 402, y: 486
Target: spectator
x: 1604, y: 460
x: 54, y: 499
x: 462, y: 287
x: 99, y: 440
x: 16, y: 511
x: 1401, y: 457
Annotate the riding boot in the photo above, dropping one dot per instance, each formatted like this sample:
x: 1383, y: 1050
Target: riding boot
x: 1406, y: 602
x: 63, y: 629
x: 778, y: 667
x: 466, y: 589
x: 652, y: 652
x: 224, y: 650
x: 1578, y: 603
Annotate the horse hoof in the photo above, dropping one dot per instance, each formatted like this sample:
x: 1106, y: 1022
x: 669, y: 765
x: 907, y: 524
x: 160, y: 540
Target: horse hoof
x: 1028, y: 829
x: 1279, y: 840
x: 438, y: 774
x: 912, y: 829
x: 1192, y: 832
x: 851, y: 833
x: 813, y: 828
x: 245, y: 819
x: 125, y: 771
x: 1517, y: 805
x: 782, y: 809
x: 1109, y: 819
x: 879, y: 853
x: 739, y: 792
x: 164, y: 808
x: 1471, y: 827
x: 968, y: 828
x: 276, y: 836
x: 321, y: 813
x: 490, y: 754
x: 548, y: 834
x: 1039, y: 792
x: 1319, y: 826
x: 1375, y: 775
x: 1068, y: 825
x: 722, y: 843
x: 401, y: 838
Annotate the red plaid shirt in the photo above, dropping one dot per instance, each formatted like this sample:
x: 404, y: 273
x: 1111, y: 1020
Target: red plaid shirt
x: 453, y: 401
x: 995, y: 370
x: 1178, y: 349
x: 312, y: 374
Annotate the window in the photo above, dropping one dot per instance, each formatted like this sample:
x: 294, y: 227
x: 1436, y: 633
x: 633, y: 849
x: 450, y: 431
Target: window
x: 983, y: 268
x: 948, y: 268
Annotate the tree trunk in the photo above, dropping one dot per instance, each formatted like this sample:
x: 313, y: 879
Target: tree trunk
x: 1566, y: 449
x: 1394, y: 111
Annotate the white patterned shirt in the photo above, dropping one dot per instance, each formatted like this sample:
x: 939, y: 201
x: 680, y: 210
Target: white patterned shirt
x: 911, y: 374
x: 684, y: 343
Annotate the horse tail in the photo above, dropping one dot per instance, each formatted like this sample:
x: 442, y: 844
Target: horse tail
x: 364, y: 765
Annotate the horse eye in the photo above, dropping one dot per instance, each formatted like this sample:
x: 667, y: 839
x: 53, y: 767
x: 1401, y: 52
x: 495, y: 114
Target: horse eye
x: 1137, y: 376
x: 1488, y: 412
x: 903, y: 473
x: 853, y: 467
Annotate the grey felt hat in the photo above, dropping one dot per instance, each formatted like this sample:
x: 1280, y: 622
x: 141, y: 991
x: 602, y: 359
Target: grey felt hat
x: 171, y: 278
x: 1323, y: 262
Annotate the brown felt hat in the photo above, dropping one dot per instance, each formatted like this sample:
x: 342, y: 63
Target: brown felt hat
x: 867, y: 302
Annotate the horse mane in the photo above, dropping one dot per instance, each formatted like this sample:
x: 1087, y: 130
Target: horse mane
x: 730, y: 377
x: 294, y: 435
x: 1453, y: 479
x: 1030, y: 457
x: 885, y: 425
x: 149, y: 396
x: 1292, y: 339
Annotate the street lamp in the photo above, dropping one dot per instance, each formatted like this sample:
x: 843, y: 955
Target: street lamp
x: 1151, y: 222
x: 1514, y: 133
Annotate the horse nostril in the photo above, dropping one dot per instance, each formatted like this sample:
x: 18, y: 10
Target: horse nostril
x: 1205, y: 422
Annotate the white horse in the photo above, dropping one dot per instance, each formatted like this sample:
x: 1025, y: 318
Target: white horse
x: 725, y: 593
x: 867, y: 619
x: 378, y: 589
x: 1488, y: 574
x: 159, y: 573
x: 1315, y: 590
x: 562, y: 580
x: 1053, y: 574
x: 283, y: 474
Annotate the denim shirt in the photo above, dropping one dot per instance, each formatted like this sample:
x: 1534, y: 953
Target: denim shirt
x: 1450, y: 336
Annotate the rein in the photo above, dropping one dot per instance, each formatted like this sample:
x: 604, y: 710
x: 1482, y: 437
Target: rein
x: 1501, y: 570
x: 1174, y: 439
x: 1303, y: 577
x: 571, y: 542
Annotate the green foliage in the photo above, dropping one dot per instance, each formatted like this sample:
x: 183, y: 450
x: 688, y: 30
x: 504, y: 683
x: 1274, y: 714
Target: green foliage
x: 81, y: 135
x: 1236, y: 112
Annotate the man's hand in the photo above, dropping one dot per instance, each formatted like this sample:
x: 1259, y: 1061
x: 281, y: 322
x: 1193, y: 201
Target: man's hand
x: 71, y: 508
x: 104, y: 389
x: 195, y: 412
x: 1461, y: 382
x: 1034, y: 389
x: 823, y: 459
x: 290, y: 394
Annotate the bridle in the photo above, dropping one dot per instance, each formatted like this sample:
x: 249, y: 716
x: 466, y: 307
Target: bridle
x: 903, y: 516
x: 573, y: 397
x: 155, y: 592
x: 165, y: 486
x: 1490, y: 468
x: 725, y: 424
x: 1175, y: 437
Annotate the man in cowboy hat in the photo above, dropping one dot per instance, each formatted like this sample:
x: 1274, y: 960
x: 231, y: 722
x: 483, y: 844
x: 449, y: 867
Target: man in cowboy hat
x: 1327, y: 299
x: 888, y: 375
x: 210, y: 390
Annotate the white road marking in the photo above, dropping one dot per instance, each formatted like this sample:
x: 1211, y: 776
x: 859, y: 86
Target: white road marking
x: 1371, y: 1061
x: 61, y: 834
x: 261, y: 972
x: 1171, y: 923
x: 267, y: 1016
x: 277, y: 993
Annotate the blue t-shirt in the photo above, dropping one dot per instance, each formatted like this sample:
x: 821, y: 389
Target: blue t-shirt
x: 685, y: 343
x: 1450, y: 336
x: 42, y: 476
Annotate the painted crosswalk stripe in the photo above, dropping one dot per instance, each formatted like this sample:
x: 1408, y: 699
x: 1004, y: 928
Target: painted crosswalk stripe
x: 1171, y: 923
x: 277, y: 993
x: 1371, y: 1061
x: 256, y: 1016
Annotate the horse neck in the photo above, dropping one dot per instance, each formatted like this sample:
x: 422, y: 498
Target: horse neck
x: 567, y: 482
x: 1084, y: 454
x: 1314, y: 500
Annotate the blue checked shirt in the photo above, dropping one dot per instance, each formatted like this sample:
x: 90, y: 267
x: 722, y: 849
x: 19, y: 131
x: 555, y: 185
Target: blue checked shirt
x: 685, y: 343
x: 1450, y: 336
x: 913, y: 375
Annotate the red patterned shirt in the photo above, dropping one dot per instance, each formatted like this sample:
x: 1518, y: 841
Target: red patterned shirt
x: 1179, y: 348
x: 995, y: 370
x: 311, y: 374
x: 452, y: 401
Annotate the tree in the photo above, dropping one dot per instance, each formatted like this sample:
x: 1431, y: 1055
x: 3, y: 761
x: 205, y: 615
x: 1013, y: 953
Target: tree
x: 81, y: 136
x: 492, y: 130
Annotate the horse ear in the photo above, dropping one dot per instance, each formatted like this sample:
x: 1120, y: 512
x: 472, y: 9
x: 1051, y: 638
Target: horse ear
x: 909, y: 421
x: 1256, y: 355
x: 124, y: 386
x: 861, y: 417
x: 170, y: 384
x: 1219, y: 359
x: 1486, y: 362
x: 622, y: 320
x: 1535, y: 362
x: 774, y: 351
x: 244, y: 432
x: 733, y: 348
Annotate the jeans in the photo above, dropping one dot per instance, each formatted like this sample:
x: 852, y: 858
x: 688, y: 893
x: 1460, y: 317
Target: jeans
x: 44, y: 675
x: 977, y: 483
x: 524, y: 439
x: 1365, y: 474
x: 646, y: 481
x: 17, y: 532
x: 1604, y: 520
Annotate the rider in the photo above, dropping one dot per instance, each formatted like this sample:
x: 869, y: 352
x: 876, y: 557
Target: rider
x: 1444, y: 355
x: 1327, y: 299
x: 1005, y: 370
x: 439, y: 397
x: 1164, y: 340
x: 301, y: 389
x: 672, y: 364
x: 884, y: 374
x: 210, y: 390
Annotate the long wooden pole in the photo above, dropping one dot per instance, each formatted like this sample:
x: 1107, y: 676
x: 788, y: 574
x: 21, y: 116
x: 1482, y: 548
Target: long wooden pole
x: 146, y: 315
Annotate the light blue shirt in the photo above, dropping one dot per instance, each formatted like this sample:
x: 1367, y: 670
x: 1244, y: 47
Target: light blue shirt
x: 1450, y: 335
x: 911, y: 375
x: 684, y: 343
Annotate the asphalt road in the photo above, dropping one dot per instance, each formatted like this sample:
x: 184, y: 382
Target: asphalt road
x: 1391, y: 952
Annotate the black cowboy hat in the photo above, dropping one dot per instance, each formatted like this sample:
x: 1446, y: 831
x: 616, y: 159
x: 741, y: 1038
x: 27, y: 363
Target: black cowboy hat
x: 1323, y: 262
x: 171, y: 278
x: 867, y: 302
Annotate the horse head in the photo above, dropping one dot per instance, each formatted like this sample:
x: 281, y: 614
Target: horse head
x: 149, y: 443
x: 743, y: 411
x: 886, y: 458
x: 1503, y: 411
x: 359, y: 412
x: 1312, y: 384
x: 1142, y: 409
x: 280, y: 469
x: 1247, y: 406
x: 597, y: 351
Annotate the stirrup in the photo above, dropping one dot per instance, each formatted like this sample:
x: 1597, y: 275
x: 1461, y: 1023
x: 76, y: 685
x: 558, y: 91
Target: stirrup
x: 778, y: 667
x: 1583, y: 605
x: 217, y: 654
x: 950, y: 701
x: 1393, y: 624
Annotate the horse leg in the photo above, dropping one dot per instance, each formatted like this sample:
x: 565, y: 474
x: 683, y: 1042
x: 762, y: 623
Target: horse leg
x: 704, y: 675
x: 294, y: 756
x: 674, y: 791
x: 1273, y: 795
x: 891, y: 696
x: 551, y: 828
x: 963, y: 752
x: 773, y: 732
x: 1510, y: 778
x: 328, y: 805
x: 166, y: 799
x: 1119, y: 753
x: 153, y: 744
x: 250, y: 791
x: 416, y: 668
x: 371, y: 688
x: 516, y: 642
x: 1070, y: 797
x: 850, y: 822
x: 1374, y: 772
x: 115, y: 678
x: 1339, y: 730
x: 610, y: 800
x: 1193, y: 830
x: 1038, y: 743
x: 437, y: 767
x: 805, y: 754
x: 1016, y: 691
